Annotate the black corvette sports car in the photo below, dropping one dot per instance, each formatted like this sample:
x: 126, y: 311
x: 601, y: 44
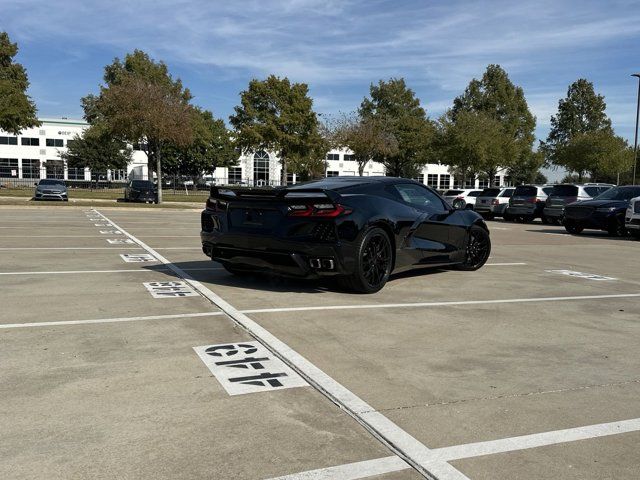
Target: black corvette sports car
x: 357, y: 229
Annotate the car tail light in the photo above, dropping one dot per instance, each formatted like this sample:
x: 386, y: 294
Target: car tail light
x: 459, y: 197
x: 495, y: 201
x: 216, y: 205
x: 317, y: 210
x: 533, y: 200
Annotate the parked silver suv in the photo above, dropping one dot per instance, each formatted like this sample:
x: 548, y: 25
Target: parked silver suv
x: 527, y: 202
x: 566, y: 193
x: 492, y: 202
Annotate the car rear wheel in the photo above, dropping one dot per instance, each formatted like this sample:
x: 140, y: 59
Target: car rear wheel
x: 635, y: 234
x: 507, y: 217
x: 488, y: 216
x: 478, y: 249
x: 373, y: 265
x: 460, y: 204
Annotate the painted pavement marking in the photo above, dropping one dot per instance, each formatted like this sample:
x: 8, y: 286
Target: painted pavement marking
x: 137, y: 257
x: 395, y: 438
x: 179, y: 316
x: 379, y: 466
x: 586, y: 276
x: 170, y: 289
x: 248, y: 367
x: 120, y: 241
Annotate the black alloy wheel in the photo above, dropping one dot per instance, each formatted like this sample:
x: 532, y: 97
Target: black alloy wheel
x: 616, y: 227
x: 478, y: 249
x: 373, y: 265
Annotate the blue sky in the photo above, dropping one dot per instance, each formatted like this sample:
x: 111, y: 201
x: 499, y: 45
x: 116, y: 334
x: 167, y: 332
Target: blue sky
x: 337, y: 47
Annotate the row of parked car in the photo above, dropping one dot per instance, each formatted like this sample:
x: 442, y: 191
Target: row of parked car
x: 599, y: 206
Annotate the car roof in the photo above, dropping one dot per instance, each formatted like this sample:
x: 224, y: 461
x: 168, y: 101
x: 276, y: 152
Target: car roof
x: 330, y: 183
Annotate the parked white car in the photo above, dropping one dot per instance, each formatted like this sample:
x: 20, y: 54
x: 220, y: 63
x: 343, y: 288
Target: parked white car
x: 493, y: 201
x: 632, y: 218
x: 463, y: 198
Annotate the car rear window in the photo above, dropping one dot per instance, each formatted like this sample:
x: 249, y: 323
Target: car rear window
x: 451, y: 193
x: 507, y: 193
x: 490, y: 192
x: 593, y: 191
x: 477, y: 193
x: 565, y: 191
x: 525, y: 191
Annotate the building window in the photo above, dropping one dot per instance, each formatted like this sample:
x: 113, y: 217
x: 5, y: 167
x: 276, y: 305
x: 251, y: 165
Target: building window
x: 75, y: 173
x: 349, y: 157
x: 432, y: 180
x: 55, y: 142
x: 55, y: 168
x: 117, y: 175
x: 496, y: 181
x: 30, y: 168
x: 470, y: 183
x: 419, y: 178
x: 261, y: 168
x: 333, y: 156
x: 290, y: 179
x: 483, y: 183
x: 235, y: 175
x: 8, y: 140
x: 30, y: 142
x: 445, y: 182
x: 9, y: 167
x: 333, y: 173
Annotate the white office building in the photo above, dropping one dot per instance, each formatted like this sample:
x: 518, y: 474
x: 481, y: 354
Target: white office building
x: 35, y: 154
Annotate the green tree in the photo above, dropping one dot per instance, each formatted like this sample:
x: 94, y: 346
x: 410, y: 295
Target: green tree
x: 97, y: 151
x: 394, y: 108
x: 211, y: 147
x: 581, y: 111
x: 17, y: 111
x: 497, y: 97
x: 277, y: 115
x: 526, y: 168
x: 141, y: 103
x: 366, y: 137
x: 472, y: 143
x: 599, y: 153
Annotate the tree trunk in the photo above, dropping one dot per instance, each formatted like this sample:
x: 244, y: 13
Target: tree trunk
x: 283, y: 180
x: 361, y: 168
x: 159, y: 172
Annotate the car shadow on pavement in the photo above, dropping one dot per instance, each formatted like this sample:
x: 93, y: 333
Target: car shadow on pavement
x: 213, y: 273
x: 586, y: 233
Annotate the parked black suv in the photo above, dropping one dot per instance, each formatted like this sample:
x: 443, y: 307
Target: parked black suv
x: 605, y: 212
x: 566, y: 193
x: 140, y: 191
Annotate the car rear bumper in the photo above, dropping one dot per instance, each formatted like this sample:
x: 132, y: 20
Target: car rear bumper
x: 262, y: 253
x: 530, y: 209
x: 554, y: 212
x: 632, y: 223
x: 495, y: 209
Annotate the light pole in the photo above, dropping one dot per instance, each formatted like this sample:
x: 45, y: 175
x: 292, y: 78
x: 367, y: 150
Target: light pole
x: 635, y: 142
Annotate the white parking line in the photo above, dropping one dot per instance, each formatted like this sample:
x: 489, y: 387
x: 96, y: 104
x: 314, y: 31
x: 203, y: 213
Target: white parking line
x: 395, y: 438
x: 506, y: 264
x: 70, y: 248
x: 120, y: 270
x: 379, y: 466
x: 326, y: 307
x: 7, y: 326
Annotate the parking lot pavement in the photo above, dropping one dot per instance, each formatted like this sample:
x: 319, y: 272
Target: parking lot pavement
x: 525, y: 368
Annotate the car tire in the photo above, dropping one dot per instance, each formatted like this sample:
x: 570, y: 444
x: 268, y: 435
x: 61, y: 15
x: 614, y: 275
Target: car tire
x: 545, y: 220
x: 573, y: 228
x: 634, y: 233
x: 616, y: 227
x: 528, y: 218
x: 507, y: 217
x: 373, y: 263
x: 488, y: 216
x: 478, y: 249
x: 459, y: 204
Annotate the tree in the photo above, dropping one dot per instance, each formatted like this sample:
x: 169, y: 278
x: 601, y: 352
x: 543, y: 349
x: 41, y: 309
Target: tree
x: 497, y: 97
x: 526, y: 168
x: 473, y: 143
x: 277, y: 115
x: 17, y: 110
x: 367, y: 138
x: 141, y: 103
x: 96, y: 151
x: 597, y: 153
x: 210, y: 148
x: 394, y: 108
x: 580, y: 112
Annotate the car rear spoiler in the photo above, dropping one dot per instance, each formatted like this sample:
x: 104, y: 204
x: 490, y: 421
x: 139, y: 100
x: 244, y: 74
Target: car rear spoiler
x: 271, y: 194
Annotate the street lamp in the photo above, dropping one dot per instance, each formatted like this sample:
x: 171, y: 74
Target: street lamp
x: 635, y: 142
